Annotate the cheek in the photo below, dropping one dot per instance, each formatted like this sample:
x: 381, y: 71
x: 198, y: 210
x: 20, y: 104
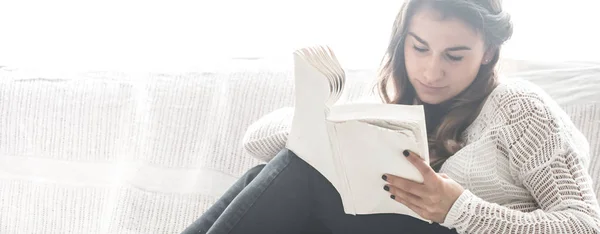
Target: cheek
x: 412, y: 63
x: 462, y: 75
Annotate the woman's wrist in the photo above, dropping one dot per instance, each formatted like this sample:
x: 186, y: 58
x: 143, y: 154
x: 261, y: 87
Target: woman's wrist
x: 456, y: 209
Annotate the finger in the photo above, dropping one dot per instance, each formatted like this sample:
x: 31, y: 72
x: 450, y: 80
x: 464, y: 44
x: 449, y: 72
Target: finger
x: 414, y: 207
x: 407, y: 185
x: 404, y: 195
x: 421, y: 165
x: 444, y: 175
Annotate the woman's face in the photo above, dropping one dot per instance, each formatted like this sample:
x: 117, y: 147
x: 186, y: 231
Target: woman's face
x: 442, y: 56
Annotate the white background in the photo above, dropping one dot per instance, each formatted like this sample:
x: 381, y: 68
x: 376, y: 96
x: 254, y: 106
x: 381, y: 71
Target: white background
x: 191, y: 35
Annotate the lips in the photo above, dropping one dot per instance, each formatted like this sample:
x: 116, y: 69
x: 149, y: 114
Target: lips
x: 430, y: 87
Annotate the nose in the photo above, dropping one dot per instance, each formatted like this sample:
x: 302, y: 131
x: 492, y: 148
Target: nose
x: 434, y: 71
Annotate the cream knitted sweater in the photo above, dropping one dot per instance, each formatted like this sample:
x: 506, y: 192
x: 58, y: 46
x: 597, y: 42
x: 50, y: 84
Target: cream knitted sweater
x: 524, y: 168
x: 524, y: 165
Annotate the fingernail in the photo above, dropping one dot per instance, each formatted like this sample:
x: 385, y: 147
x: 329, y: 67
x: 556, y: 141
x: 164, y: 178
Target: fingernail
x: 406, y: 153
x: 392, y: 197
x: 386, y: 188
x: 384, y: 177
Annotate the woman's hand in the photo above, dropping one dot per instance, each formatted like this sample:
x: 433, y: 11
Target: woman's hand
x: 431, y: 199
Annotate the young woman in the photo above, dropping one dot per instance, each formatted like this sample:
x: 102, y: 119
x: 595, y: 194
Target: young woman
x: 509, y: 159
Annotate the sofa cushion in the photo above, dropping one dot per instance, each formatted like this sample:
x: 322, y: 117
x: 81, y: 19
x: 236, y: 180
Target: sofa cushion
x: 267, y: 136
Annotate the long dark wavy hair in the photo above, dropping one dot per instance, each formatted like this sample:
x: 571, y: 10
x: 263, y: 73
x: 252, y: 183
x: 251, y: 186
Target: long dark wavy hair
x: 455, y: 115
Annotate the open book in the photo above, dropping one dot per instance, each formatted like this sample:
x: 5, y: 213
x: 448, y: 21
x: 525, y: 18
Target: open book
x: 352, y: 145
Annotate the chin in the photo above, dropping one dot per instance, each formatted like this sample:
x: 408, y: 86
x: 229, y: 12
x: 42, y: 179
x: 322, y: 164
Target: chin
x: 432, y: 100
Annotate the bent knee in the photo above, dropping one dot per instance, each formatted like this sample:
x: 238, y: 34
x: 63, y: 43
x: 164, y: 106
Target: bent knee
x: 252, y: 173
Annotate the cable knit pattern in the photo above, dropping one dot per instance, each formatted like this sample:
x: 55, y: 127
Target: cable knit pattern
x: 103, y: 152
x: 267, y: 136
x: 129, y: 152
x: 524, y: 168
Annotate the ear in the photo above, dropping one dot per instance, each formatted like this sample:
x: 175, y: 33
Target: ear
x: 489, y: 55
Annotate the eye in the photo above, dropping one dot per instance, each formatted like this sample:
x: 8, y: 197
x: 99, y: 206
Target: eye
x: 421, y: 50
x: 454, y: 58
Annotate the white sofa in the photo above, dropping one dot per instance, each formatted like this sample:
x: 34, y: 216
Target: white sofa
x: 129, y: 152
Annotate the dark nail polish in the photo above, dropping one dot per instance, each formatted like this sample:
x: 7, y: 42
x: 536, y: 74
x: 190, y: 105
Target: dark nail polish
x: 406, y: 153
x: 386, y: 188
x: 384, y: 177
x: 392, y: 197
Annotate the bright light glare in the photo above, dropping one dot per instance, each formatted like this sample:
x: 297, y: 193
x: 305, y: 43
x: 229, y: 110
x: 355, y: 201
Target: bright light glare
x: 193, y: 35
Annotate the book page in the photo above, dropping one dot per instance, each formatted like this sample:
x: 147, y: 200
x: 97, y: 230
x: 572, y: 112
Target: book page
x: 367, y: 152
x: 391, y: 113
x: 325, y: 62
x: 309, y: 137
x: 370, y: 139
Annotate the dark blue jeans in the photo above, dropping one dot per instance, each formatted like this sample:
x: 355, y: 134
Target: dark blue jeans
x: 290, y: 196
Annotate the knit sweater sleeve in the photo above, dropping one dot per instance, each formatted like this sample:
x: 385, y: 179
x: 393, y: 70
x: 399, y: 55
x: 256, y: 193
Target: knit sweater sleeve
x: 548, y: 160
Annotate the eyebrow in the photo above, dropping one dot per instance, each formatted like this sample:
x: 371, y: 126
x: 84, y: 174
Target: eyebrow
x: 457, y: 48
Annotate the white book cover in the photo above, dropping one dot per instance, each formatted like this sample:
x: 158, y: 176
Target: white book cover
x: 352, y: 145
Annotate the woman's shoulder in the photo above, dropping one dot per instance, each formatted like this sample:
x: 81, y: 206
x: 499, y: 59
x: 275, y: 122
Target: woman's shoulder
x: 518, y: 106
x: 526, y: 118
x: 513, y: 89
x: 515, y: 97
